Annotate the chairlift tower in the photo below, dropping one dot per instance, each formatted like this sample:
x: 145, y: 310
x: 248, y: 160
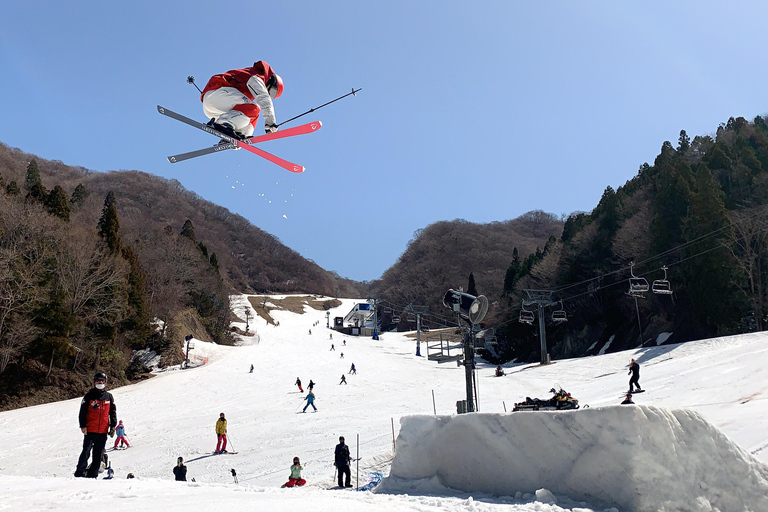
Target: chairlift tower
x: 542, y: 299
x: 416, y: 311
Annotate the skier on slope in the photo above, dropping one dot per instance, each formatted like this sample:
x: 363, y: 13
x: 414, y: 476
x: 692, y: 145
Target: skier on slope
x: 98, y: 417
x: 233, y: 100
x: 221, y: 434
x: 343, y: 380
x: 352, y: 369
x: 341, y: 461
x: 310, y: 401
x: 298, y: 383
x: 311, y: 385
x: 295, y: 478
x: 634, y: 369
x: 120, y: 431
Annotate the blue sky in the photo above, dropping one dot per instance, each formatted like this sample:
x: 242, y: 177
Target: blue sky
x: 474, y: 110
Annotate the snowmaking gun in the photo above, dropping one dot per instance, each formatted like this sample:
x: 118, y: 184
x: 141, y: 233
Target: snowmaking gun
x: 561, y: 401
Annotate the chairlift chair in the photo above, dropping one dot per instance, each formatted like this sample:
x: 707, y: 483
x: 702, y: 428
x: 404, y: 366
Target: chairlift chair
x: 559, y: 315
x: 395, y: 319
x: 637, y: 285
x: 526, y: 317
x: 662, y: 286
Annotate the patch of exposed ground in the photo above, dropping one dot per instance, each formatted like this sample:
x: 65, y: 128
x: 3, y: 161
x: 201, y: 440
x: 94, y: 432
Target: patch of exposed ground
x: 264, y: 305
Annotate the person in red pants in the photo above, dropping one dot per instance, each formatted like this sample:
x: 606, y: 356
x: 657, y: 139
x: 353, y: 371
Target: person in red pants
x: 120, y: 431
x: 295, y: 478
x: 221, y: 434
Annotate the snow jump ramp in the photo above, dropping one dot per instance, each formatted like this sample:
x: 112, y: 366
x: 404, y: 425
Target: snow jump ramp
x: 638, y: 458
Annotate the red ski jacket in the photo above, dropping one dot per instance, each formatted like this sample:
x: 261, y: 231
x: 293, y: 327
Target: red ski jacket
x: 98, y: 411
x: 238, y: 78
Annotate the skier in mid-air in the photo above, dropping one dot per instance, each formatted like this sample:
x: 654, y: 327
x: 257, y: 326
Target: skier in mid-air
x: 234, y: 100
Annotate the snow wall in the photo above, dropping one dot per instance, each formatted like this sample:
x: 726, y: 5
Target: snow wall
x: 639, y: 458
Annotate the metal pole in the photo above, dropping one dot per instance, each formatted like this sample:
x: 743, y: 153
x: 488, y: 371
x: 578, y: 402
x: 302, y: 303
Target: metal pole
x: 357, y: 464
x: 542, y: 334
x: 393, y: 433
x: 434, y: 407
x: 639, y: 327
x: 469, y: 358
x: 353, y: 93
x: 418, y: 334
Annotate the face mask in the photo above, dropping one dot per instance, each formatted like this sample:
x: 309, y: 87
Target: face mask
x: 100, y: 386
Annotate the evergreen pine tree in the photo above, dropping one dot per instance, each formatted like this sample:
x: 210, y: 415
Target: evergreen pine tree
x: 58, y: 204
x: 79, y: 195
x: 214, y: 261
x: 512, y: 274
x: 188, y: 230
x: 471, y: 288
x: 33, y: 175
x: 136, y: 324
x: 109, y: 224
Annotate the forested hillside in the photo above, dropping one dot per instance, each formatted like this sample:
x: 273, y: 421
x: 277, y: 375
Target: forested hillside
x: 96, y: 265
x: 699, y: 210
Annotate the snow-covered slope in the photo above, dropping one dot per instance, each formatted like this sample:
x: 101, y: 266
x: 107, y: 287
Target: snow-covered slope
x: 174, y: 414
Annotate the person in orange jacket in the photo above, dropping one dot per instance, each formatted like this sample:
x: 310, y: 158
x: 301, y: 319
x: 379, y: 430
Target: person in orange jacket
x: 98, y: 418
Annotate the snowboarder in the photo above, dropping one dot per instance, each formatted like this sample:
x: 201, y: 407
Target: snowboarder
x: 120, y: 431
x: 634, y: 369
x: 295, y: 478
x: 221, y: 434
x: 298, y: 383
x: 180, y: 470
x: 332, y: 347
x: 352, y: 369
x: 311, y: 385
x: 310, y: 401
x: 251, y: 369
x: 98, y: 417
x: 341, y: 461
x: 628, y: 399
x: 233, y: 100
x: 343, y: 380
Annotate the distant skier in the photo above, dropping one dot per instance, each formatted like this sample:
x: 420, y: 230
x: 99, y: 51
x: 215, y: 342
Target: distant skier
x: 180, y: 470
x: 634, y: 369
x: 298, y: 383
x: 221, y: 434
x: 352, y: 369
x: 343, y: 380
x: 342, y: 355
x: 295, y: 478
x: 98, y: 417
x: 233, y: 100
x: 251, y: 369
x: 311, y: 385
x: 120, y: 431
x: 310, y: 401
x: 310, y: 332
x: 331, y: 335
x: 499, y: 371
x: 332, y: 347
x: 341, y: 461
x: 344, y: 342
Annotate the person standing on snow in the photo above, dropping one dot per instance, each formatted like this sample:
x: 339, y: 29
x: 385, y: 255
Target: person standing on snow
x: 352, y: 369
x: 221, y: 434
x: 295, y: 478
x: 310, y: 401
x: 332, y: 347
x: 343, y: 380
x: 634, y: 369
x: 98, y: 417
x: 120, y: 431
x: 233, y: 100
x: 311, y: 385
x: 298, y: 383
x: 180, y: 470
x: 341, y: 461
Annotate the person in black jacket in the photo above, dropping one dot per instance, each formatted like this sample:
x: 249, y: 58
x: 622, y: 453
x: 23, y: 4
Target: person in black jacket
x: 98, y: 418
x: 180, y: 470
x: 634, y: 369
x: 341, y: 461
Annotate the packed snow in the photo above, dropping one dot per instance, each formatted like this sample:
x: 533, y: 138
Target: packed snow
x: 696, y: 440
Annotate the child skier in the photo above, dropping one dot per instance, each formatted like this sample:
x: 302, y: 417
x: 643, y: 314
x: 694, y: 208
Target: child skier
x: 310, y: 401
x: 298, y: 383
x: 295, y: 478
x: 221, y: 434
x: 120, y: 431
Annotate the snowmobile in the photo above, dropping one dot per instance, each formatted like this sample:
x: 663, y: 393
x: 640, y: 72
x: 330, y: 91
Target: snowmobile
x: 561, y: 401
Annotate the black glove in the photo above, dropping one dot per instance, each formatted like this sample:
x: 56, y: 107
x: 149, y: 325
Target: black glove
x: 270, y: 128
x: 112, y: 432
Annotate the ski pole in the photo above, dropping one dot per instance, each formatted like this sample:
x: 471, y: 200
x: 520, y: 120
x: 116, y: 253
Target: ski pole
x: 229, y: 439
x: 191, y: 80
x: 353, y: 93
